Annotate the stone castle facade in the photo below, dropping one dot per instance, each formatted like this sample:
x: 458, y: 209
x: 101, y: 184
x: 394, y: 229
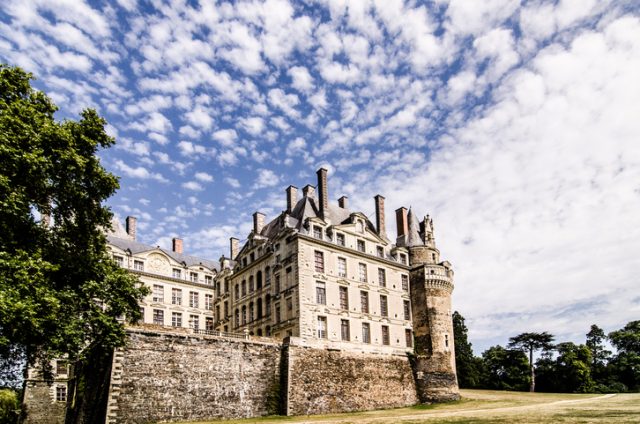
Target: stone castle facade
x: 319, y: 276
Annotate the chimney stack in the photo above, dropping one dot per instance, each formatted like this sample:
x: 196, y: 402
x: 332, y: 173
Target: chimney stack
x: 258, y: 222
x: 176, y: 245
x: 323, y: 192
x: 292, y: 197
x: 131, y: 226
x: 234, y: 247
x: 382, y: 231
x: 401, y: 221
x: 308, y: 190
x: 343, y: 202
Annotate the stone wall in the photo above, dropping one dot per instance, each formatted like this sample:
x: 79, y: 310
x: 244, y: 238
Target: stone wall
x: 322, y: 381
x: 41, y: 404
x: 172, y: 376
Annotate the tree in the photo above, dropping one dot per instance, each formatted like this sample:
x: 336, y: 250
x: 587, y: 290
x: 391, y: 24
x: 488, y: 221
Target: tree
x: 626, y: 364
x: 468, y: 367
x: 505, y: 369
x: 530, y: 342
x: 60, y: 293
x: 599, y: 354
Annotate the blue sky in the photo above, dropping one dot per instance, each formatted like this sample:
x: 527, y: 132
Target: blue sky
x: 515, y: 125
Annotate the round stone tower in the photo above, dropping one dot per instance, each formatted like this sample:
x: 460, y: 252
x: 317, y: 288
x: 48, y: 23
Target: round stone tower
x: 431, y: 287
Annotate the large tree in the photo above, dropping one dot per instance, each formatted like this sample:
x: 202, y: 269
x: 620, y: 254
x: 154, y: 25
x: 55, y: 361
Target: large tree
x: 468, y: 367
x: 626, y: 364
x: 505, y: 369
x: 530, y: 342
x: 599, y: 353
x: 60, y: 293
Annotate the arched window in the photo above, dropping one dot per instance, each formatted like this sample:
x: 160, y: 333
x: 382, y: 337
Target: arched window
x: 267, y: 305
x: 237, y: 320
x: 251, y: 312
x: 251, y: 285
x: 259, y: 308
x: 268, y: 331
x: 267, y: 276
x: 244, y: 314
x: 244, y: 288
x: 236, y: 291
x: 259, y: 331
x: 226, y: 287
x: 259, y: 280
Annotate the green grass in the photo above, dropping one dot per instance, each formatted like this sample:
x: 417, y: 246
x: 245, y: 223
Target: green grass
x: 489, y: 406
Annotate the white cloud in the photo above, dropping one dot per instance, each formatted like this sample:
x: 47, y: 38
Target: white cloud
x: 193, y: 186
x: 204, y: 177
x: 266, y: 178
x: 225, y: 137
x: 233, y: 182
x: 253, y: 125
x: 285, y: 102
x: 138, y: 172
x: 301, y: 78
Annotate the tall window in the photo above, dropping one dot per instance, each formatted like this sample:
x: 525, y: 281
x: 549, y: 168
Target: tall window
x: 236, y: 291
x: 403, y: 259
x: 405, y: 282
x: 251, y: 285
x: 380, y: 251
x: 360, y: 245
x: 208, y: 323
x: 407, y: 310
x: 237, y: 318
x: 244, y: 314
x: 176, y: 319
x: 277, y: 308
x: 385, y: 335
x: 138, y: 265
x: 321, y: 293
x: 317, y: 232
x: 243, y: 287
x: 251, y: 312
x: 340, y: 239
x: 158, y: 293
x: 193, y: 299
x: 62, y: 367
x: 276, y: 286
x: 176, y: 296
x: 319, y: 261
x: 384, y: 308
x: 362, y: 272
x: 259, y: 280
x: 194, y: 322
x: 446, y: 341
x: 208, y: 302
x: 366, y: 333
x: 322, y: 327
x: 344, y: 298
x: 208, y: 279
x: 382, y: 277
x: 158, y: 316
x: 119, y: 260
x: 193, y: 277
x: 408, y: 337
x: 342, y: 267
x: 364, y: 302
x: 344, y: 330
x: 267, y: 276
x: 218, y: 313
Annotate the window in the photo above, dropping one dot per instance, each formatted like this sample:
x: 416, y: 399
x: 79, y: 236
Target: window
x: 403, y: 259
x: 259, y: 307
x: 321, y: 293
x: 362, y: 272
x: 208, y: 324
x: 319, y: 261
x: 405, y: 282
x: 119, y: 260
x: 244, y: 314
x: 176, y: 297
x: 446, y: 341
x: 361, y: 246
x: 380, y: 251
x: 217, y: 312
x: 344, y: 330
x: 158, y: 316
x: 384, y: 307
x: 267, y: 276
x: 176, y: 319
x: 364, y: 302
x: 267, y: 305
x: 276, y: 286
x: 385, y: 335
x: 277, y: 307
x: 244, y: 288
x: 322, y: 327
x: 176, y: 273
x: 208, y: 279
x: 62, y: 367
x: 259, y: 280
x: 158, y: 293
x: 252, y: 286
x: 226, y: 309
x: 193, y: 277
x: 236, y: 291
x: 340, y: 239
x: 138, y: 265
x: 61, y: 393
x: 237, y: 318
x: 408, y: 337
x: 208, y: 302
x: 289, y: 304
x: 317, y: 232
x: 193, y: 299
x: 194, y: 322
x: 344, y: 298
x: 366, y: 333
x: 342, y: 267
x: 407, y: 310
x: 382, y: 277
x: 251, y: 312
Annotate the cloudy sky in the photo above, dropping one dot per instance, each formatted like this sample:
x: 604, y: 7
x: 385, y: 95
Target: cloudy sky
x: 514, y: 124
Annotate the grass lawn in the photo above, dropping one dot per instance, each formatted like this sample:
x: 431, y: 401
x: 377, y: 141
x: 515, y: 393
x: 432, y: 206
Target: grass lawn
x: 489, y: 406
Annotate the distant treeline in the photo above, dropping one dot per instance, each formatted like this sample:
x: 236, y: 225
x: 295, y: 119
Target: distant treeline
x: 563, y: 367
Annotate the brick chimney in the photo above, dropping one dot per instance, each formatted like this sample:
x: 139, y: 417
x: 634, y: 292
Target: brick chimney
x: 131, y: 226
x: 323, y: 192
x: 292, y: 197
x: 176, y: 245
x: 343, y: 202
x: 382, y: 231
x: 234, y: 247
x: 401, y: 221
x: 258, y: 222
x: 308, y: 190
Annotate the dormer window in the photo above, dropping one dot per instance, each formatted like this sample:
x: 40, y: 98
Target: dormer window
x: 317, y: 232
x: 359, y: 226
x: 340, y: 239
x: 380, y: 251
x: 138, y: 265
x: 193, y: 277
x: 403, y: 259
x: 176, y: 273
x: 119, y: 260
x: 361, y: 246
